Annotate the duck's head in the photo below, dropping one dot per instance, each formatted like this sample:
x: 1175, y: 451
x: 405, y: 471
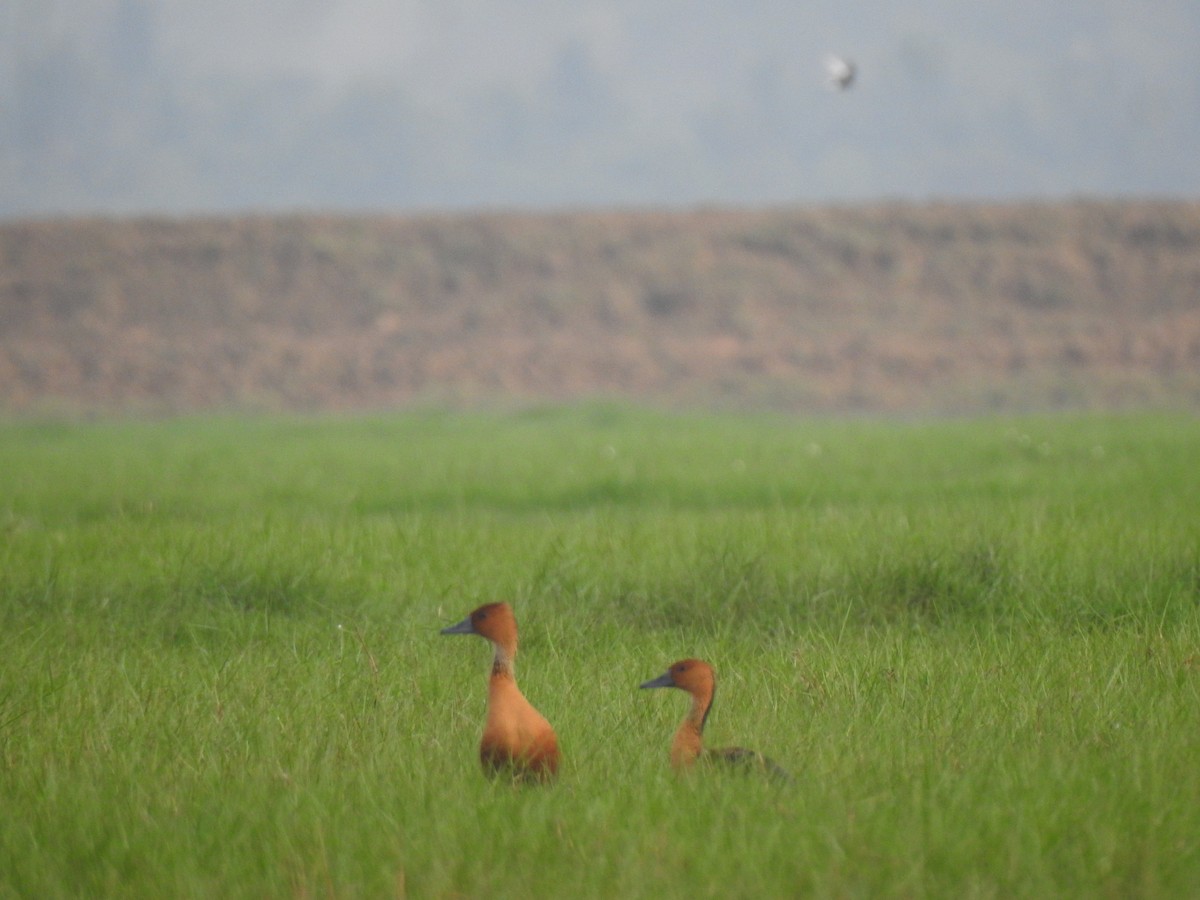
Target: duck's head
x: 692, y: 675
x: 494, y: 621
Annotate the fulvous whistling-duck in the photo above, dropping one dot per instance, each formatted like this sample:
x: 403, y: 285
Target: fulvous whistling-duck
x: 698, y: 678
x: 517, y: 739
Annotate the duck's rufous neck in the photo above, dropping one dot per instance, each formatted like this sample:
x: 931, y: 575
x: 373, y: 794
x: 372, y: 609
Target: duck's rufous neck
x: 689, y: 739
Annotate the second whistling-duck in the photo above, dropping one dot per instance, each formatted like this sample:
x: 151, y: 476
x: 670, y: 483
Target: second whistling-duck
x: 698, y: 678
x: 517, y: 739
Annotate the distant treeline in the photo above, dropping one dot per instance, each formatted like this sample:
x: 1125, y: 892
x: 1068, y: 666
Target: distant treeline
x: 886, y: 308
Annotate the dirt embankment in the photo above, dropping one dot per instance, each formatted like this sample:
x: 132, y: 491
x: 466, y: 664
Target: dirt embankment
x: 892, y: 308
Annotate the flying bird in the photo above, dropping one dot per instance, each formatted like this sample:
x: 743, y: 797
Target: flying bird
x: 517, y: 740
x: 840, y: 71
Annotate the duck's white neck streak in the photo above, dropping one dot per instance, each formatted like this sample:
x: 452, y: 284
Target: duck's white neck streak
x: 503, y: 662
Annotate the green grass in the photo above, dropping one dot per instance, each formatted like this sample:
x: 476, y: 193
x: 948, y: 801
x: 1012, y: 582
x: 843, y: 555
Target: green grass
x: 976, y: 645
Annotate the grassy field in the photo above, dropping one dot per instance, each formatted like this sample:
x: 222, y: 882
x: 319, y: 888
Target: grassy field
x: 976, y: 644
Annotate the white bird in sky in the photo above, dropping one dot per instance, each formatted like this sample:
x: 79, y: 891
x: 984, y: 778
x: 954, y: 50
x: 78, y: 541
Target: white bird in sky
x: 841, y: 72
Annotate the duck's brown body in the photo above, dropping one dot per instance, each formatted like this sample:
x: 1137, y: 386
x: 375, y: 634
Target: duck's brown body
x: 516, y: 736
x: 517, y: 739
x: 687, y: 748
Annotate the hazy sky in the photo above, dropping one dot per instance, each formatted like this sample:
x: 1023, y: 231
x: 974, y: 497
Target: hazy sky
x: 182, y: 106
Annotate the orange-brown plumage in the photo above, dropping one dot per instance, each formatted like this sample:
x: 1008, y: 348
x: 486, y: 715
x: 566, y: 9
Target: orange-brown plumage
x: 517, y: 739
x: 700, y: 681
